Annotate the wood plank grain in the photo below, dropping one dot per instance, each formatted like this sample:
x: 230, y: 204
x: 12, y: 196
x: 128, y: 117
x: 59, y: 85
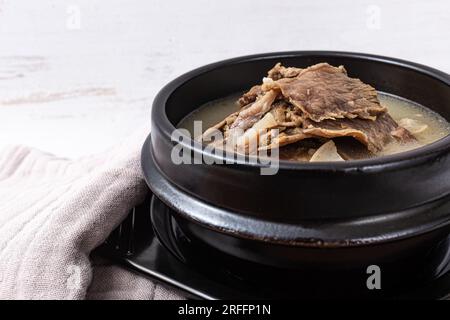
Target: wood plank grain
x: 75, y: 76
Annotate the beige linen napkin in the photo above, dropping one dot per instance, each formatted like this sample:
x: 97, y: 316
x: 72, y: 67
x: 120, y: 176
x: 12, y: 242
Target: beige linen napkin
x: 55, y: 211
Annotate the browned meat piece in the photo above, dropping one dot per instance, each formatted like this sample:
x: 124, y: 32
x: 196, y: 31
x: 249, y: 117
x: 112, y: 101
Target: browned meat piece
x: 279, y: 72
x: 275, y: 73
x: 286, y: 115
x: 326, y: 92
x: 403, y: 134
x: 279, y: 111
x: 249, y: 116
x: 287, y: 137
x: 374, y: 134
x: 351, y: 149
x: 300, y: 151
x: 294, y: 152
x: 250, y: 96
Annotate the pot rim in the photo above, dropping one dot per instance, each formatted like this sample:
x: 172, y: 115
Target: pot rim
x: 383, y: 163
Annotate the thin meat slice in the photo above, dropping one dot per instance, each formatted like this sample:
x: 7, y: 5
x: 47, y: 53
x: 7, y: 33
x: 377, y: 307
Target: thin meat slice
x: 252, y: 136
x: 300, y: 151
x: 286, y: 115
x: 250, y: 96
x: 352, y: 149
x: 276, y: 73
x: 289, y: 136
x: 279, y: 72
x: 374, y: 134
x: 249, y: 116
x: 325, y: 92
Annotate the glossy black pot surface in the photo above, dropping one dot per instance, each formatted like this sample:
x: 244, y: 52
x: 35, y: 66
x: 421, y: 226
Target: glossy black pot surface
x: 326, y: 214
x: 307, y: 191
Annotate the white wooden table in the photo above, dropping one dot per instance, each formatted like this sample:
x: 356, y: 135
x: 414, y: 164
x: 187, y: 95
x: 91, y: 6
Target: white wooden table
x: 76, y: 75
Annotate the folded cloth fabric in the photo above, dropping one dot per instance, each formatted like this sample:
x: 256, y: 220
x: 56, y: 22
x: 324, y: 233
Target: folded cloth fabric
x: 55, y: 211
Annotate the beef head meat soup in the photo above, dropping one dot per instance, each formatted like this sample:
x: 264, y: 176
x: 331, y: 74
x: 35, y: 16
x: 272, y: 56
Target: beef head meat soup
x: 317, y: 114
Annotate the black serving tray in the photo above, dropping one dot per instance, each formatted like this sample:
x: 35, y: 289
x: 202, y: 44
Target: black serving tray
x: 156, y: 251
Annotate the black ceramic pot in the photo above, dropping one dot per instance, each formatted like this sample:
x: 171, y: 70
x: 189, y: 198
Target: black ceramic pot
x: 385, y: 211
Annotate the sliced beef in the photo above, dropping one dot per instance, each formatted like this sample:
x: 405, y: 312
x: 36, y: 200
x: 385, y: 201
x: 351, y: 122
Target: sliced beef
x: 279, y: 72
x: 286, y: 137
x: 326, y: 92
x: 295, y: 152
x: 276, y: 73
x: 249, y: 116
x: 374, y: 134
x: 403, y: 135
x: 250, y: 96
x: 286, y: 115
x: 351, y: 149
x: 317, y: 103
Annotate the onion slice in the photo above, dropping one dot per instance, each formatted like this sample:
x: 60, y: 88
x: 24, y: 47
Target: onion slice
x: 327, y: 152
x: 412, y: 125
